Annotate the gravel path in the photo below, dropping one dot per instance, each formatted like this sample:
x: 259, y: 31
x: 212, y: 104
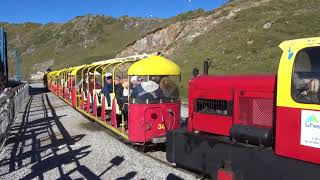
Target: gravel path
x: 50, y: 140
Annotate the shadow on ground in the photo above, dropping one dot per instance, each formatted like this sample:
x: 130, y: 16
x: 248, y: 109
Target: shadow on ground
x: 44, y: 144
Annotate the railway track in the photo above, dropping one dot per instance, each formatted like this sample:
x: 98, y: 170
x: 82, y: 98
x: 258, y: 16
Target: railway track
x: 156, y: 153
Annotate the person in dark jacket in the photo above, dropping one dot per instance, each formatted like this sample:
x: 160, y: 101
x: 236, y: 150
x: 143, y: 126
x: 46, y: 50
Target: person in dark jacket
x: 108, y: 87
x: 135, y: 86
x: 91, y: 84
x: 118, y: 88
x: 195, y: 72
x: 122, y: 100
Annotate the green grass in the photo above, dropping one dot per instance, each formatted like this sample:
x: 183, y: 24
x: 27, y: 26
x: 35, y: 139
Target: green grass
x: 64, y: 43
x: 227, y: 44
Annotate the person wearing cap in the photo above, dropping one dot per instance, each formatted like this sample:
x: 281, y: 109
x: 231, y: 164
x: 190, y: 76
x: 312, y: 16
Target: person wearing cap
x: 108, y: 87
x: 91, y: 84
x: 135, y: 86
x: 195, y: 72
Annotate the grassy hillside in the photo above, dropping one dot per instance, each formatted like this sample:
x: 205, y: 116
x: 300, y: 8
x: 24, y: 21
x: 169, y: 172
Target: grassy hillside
x: 84, y: 39
x: 242, y: 45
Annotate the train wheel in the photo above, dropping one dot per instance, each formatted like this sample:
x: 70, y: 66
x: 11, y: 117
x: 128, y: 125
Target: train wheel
x: 140, y: 148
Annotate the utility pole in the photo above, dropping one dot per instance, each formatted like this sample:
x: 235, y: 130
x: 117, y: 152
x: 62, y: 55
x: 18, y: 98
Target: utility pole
x: 4, y: 54
x: 17, y: 65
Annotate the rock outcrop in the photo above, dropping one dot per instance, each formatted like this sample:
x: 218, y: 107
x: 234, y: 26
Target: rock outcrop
x: 170, y: 38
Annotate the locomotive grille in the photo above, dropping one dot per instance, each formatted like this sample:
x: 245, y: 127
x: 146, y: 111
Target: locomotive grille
x: 213, y: 106
x: 257, y: 112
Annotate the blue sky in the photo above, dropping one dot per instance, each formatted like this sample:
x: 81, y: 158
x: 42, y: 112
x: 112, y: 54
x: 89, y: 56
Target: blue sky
x: 44, y: 11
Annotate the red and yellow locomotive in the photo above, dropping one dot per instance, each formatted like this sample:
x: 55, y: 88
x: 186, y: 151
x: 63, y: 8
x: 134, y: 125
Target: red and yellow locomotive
x: 255, y: 126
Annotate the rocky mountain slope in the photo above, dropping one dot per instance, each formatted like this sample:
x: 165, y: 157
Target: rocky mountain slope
x: 84, y: 39
x: 240, y: 37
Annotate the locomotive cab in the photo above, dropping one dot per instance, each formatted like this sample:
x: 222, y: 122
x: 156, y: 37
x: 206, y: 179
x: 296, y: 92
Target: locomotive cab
x: 298, y: 103
x: 154, y: 101
x: 263, y: 126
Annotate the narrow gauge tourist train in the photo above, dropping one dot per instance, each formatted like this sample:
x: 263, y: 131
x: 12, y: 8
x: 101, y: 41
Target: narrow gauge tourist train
x: 255, y: 126
x: 136, y: 97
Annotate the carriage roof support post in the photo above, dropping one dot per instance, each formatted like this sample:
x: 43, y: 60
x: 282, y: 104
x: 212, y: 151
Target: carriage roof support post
x: 104, y: 70
x: 88, y: 75
x: 82, y: 76
x: 114, y: 70
x: 94, y: 76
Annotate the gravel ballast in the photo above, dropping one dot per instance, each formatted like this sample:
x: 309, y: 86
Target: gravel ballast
x: 51, y: 140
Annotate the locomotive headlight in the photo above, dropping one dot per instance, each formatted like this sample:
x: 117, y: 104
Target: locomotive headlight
x: 154, y: 116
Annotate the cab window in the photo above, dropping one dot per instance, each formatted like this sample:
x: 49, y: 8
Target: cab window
x: 154, y: 89
x: 306, y: 76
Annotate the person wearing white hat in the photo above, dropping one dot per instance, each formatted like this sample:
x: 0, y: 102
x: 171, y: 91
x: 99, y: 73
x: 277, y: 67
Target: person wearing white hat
x: 151, y: 91
x: 94, y: 73
x: 135, y: 86
x: 149, y: 86
x: 107, y: 74
x: 134, y: 79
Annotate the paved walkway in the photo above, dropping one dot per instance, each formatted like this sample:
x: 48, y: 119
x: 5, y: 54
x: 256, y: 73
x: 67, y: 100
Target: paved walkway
x: 50, y: 140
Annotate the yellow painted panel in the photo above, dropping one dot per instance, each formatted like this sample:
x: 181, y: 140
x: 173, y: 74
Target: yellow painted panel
x: 75, y: 70
x: 290, y: 49
x: 115, y: 130
x: 154, y: 65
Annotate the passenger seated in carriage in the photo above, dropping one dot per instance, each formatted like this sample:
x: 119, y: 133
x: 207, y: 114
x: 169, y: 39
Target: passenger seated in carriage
x: 151, y: 91
x: 108, y: 87
x: 122, y: 93
x: 135, y: 86
x: 169, y: 88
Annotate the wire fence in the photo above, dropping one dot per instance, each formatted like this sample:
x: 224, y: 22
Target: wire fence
x: 10, y: 106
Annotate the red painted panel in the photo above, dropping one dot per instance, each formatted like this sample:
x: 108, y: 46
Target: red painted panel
x: 74, y: 97
x: 82, y: 100
x: 244, y: 82
x: 254, y: 109
x: 211, y: 123
x: 225, y: 175
x: 95, y: 106
x: 147, y: 120
x: 114, y: 114
x: 228, y: 88
x: 225, y: 94
x: 88, y: 103
x: 103, y: 107
x: 288, y: 134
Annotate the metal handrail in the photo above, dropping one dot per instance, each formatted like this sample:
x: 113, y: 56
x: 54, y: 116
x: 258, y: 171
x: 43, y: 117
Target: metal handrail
x: 10, y: 106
